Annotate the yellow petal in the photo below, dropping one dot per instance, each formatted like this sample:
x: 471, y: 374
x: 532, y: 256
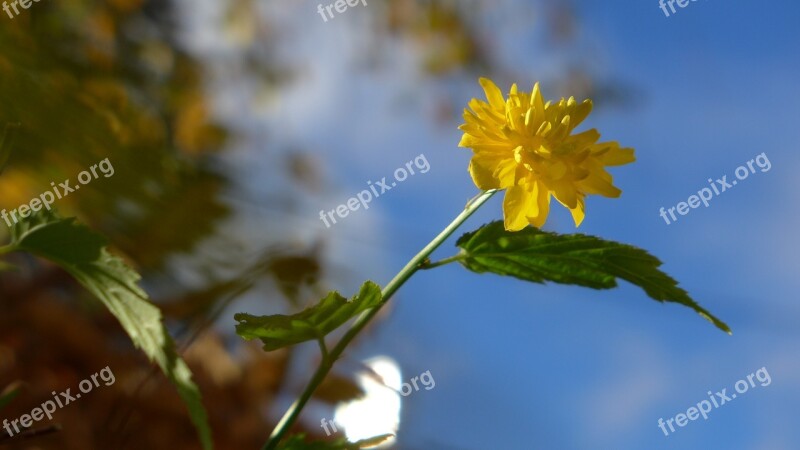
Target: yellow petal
x: 518, y: 203
x: 565, y: 193
x: 471, y: 128
x: 580, y: 112
x: 482, y: 177
x: 578, y: 213
x: 554, y: 170
x: 471, y: 118
x: 544, y: 129
x: 538, y: 217
x: 493, y: 94
x: 584, y: 139
x: 492, y: 170
x: 599, y: 183
x: 484, y: 111
x: 469, y: 140
x: 610, y: 154
x: 619, y: 157
x: 537, y: 103
x: 561, y: 130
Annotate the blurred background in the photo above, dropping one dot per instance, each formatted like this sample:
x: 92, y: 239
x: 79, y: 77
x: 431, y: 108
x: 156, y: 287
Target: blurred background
x: 231, y: 124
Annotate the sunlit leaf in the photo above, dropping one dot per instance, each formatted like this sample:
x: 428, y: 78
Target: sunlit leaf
x: 278, y: 331
x: 538, y: 256
x: 83, y: 254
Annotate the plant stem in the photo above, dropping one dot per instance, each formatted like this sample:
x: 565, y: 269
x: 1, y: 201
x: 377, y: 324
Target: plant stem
x: 361, y: 322
x: 431, y: 265
x: 323, y: 348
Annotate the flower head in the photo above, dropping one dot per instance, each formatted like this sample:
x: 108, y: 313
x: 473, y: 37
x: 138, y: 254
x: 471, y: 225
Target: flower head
x: 526, y: 146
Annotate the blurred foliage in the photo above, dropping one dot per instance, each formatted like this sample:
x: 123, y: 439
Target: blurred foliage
x: 89, y: 81
x: 442, y: 32
x: 53, y: 345
x: 6, y: 144
x: 86, y: 81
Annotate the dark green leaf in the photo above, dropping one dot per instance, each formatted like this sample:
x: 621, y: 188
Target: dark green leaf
x: 5, y: 144
x: 297, y: 442
x: 278, y: 331
x: 82, y: 253
x: 538, y: 256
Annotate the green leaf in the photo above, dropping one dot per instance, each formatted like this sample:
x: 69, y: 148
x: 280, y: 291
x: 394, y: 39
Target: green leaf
x: 297, y: 442
x: 538, y: 256
x: 314, y: 323
x: 82, y: 253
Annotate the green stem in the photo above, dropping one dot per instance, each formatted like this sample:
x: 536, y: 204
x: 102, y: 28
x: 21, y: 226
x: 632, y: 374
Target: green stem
x: 410, y: 269
x: 431, y: 265
x: 323, y: 348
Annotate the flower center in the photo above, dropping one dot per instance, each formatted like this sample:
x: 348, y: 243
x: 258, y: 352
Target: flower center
x: 540, y: 162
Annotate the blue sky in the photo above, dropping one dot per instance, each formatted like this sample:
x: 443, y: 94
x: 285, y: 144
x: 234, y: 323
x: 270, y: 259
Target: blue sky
x: 521, y: 366
x: 560, y: 367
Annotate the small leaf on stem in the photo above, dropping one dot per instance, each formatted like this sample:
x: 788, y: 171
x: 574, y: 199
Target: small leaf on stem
x: 278, y: 331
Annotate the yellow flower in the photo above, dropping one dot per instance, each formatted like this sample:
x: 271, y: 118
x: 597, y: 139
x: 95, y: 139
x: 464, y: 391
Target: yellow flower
x: 526, y: 146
